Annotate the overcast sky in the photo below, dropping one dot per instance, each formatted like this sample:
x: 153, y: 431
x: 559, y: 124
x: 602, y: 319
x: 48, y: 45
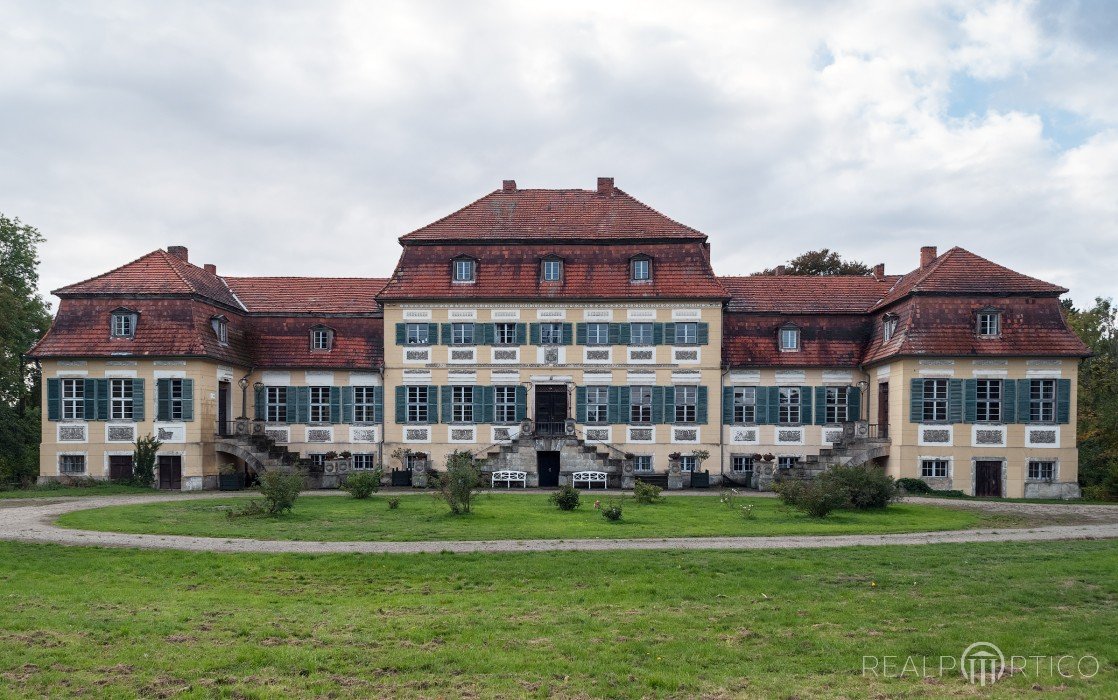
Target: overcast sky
x: 302, y: 138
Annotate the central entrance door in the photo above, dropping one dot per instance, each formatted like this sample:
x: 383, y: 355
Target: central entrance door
x: 547, y: 464
x: 170, y: 473
x: 551, y: 409
x: 988, y: 479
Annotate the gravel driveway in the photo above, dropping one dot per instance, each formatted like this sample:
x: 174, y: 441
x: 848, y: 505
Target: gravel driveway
x: 31, y: 520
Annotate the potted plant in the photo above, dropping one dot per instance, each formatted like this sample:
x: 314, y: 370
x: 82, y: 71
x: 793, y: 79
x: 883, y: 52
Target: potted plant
x: 229, y: 478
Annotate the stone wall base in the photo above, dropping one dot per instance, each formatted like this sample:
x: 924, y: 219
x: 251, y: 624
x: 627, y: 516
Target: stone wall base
x: 1049, y: 489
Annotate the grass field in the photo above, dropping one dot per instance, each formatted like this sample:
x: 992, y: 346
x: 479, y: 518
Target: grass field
x: 505, y: 516
x: 52, y: 491
x: 112, y: 623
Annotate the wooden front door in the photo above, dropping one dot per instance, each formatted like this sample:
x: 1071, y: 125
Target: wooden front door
x: 120, y: 467
x: 883, y: 409
x: 547, y: 464
x: 223, y: 397
x: 551, y: 409
x: 170, y: 473
x: 988, y: 479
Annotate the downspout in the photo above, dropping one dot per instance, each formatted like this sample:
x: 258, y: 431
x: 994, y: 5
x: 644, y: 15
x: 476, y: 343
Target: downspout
x: 244, y: 391
x: 383, y: 404
x: 721, y: 427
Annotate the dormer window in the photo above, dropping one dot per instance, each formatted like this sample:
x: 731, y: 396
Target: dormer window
x: 465, y: 270
x: 322, y: 339
x: 989, y: 323
x: 551, y: 270
x: 789, y: 339
x: 123, y: 323
x: 640, y: 269
x: 889, y: 327
x: 221, y: 329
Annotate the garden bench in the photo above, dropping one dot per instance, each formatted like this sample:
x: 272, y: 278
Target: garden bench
x: 589, y: 478
x: 510, y: 476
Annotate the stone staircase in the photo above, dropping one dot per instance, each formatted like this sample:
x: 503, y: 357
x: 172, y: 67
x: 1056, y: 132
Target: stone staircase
x: 575, y: 455
x: 261, y: 452
x: 861, y: 443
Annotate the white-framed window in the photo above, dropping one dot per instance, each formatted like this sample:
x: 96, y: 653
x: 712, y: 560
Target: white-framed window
x: 787, y: 461
x: 504, y: 404
x: 123, y: 325
x: 320, y: 404
x: 318, y: 459
x: 418, y: 410
x: 988, y: 407
x: 462, y: 404
x: 465, y: 270
x: 640, y: 269
x: 120, y: 391
x: 597, y: 404
x: 551, y: 270
x: 889, y: 327
x: 417, y: 334
x: 687, y: 333
x: 504, y: 333
x: 989, y: 323
x: 321, y: 339
x: 462, y: 333
x: 1042, y: 400
x: 1042, y: 470
x: 364, y: 461
x: 935, y: 401
x: 221, y: 329
x: 275, y: 403
x: 364, y: 404
x: 686, y: 401
x: 687, y: 463
x: 551, y: 334
x: 73, y: 399
x: 597, y: 334
x: 177, y: 400
x: 642, y: 463
x: 790, y: 401
x: 640, y: 405
x: 71, y: 464
x: 741, y: 464
x: 934, y: 468
x: 835, y: 410
x: 640, y: 334
x: 745, y: 404
x: 789, y: 339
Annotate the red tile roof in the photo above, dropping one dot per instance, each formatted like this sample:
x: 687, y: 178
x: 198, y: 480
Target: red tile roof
x: 750, y: 339
x: 285, y: 342
x: 553, y: 215
x: 802, y: 294
x: 679, y: 271
x: 960, y: 271
x: 312, y: 295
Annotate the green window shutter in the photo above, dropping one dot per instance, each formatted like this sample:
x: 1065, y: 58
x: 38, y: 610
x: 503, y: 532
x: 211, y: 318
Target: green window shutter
x: 669, y: 404
x: 347, y: 406
x: 580, y: 404
x: 1009, y: 401
x: 102, y: 394
x: 916, y: 401
x: 624, y: 333
x: 138, y: 400
x: 534, y: 333
x: 163, y: 400
x: 853, y: 403
x: 257, y: 400
x: 336, y: 404
x: 490, y: 404
x: 703, y: 333
x: 521, y: 400
x: 447, y: 412
x: 479, y: 405
x: 772, y: 404
x: 401, y: 405
x: 657, y: 333
x: 432, y: 401
x: 188, y: 399
x: 89, y: 400
x: 613, y: 416
x: 580, y: 334
x: 970, y: 400
x: 401, y: 333
x: 1023, y: 395
x: 446, y: 336
x: 302, y: 404
x: 657, y: 405
x: 521, y: 334
x: 805, y: 405
x: 820, y: 405
x: 487, y: 333
x: 624, y: 396
x: 568, y: 333
x: 727, y: 405
x: 954, y: 400
x: 432, y: 334
x: 669, y: 334
x: 378, y: 404
x: 1063, y: 400
x: 292, y: 404
x: 54, y: 399
x: 615, y: 334
x: 701, y: 405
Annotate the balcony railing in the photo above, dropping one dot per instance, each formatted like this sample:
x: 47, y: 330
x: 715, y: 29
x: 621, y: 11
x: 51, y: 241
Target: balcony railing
x: 551, y: 429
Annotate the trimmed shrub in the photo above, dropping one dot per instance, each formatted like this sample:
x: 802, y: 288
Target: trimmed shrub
x: 566, y: 498
x: 646, y: 493
x: 910, y: 485
x: 394, y: 503
x: 612, y: 511
x: 280, y: 489
x: 143, y: 460
x: 864, y: 487
x: 952, y: 493
x: 458, y: 485
x: 362, y: 484
x: 816, y: 498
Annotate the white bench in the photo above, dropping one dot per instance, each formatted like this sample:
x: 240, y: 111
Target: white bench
x: 589, y: 478
x: 510, y: 477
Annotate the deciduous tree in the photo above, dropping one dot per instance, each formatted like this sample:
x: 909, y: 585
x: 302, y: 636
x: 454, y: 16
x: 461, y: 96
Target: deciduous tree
x: 821, y: 262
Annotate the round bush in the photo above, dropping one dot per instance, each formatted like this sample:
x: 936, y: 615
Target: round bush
x: 362, y: 484
x: 566, y: 498
x: 911, y: 485
x: 612, y: 511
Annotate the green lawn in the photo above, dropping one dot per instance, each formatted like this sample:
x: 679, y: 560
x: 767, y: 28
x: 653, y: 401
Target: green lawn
x: 124, y: 623
x: 53, y: 491
x: 504, y: 516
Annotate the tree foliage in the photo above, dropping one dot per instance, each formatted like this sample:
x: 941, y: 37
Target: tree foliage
x: 144, y: 454
x: 24, y: 318
x: 821, y: 262
x: 459, y: 484
x: 1097, y: 427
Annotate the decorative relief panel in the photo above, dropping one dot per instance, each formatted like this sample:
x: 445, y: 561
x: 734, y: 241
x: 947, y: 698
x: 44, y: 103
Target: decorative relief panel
x: 597, y: 435
x: 598, y: 355
x: 987, y: 435
x: 1042, y: 437
x: 171, y: 433
x: 120, y: 433
x: 463, y: 434
x: 417, y: 434
x: 280, y: 435
x: 686, y: 435
x: 417, y: 355
x: 363, y: 434
x: 551, y: 356
x: 744, y: 436
x: 465, y: 355
x: 685, y: 354
x: 832, y: 436
x: 935, y: 436
x: 320, y: 435
x: 506, y: 355
x: 642, y: 355
x: 72, y: 433
x: 789, y: 436
x: 641, y: 434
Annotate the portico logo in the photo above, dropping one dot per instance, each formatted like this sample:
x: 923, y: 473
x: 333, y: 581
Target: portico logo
x: 982, y: 663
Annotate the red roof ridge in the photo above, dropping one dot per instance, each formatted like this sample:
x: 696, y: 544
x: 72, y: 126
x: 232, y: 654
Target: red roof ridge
x: 158, y: 252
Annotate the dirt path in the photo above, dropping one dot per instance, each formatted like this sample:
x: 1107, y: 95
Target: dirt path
x: 32, y: 521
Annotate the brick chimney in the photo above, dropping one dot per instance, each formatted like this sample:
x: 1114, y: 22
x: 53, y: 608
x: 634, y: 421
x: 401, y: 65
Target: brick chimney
x: 210, y: 268
x: 879, y: 271
x: 508, y: 185
x: 180, y: 252
x: 605, y: 185
x: 927, y: 255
